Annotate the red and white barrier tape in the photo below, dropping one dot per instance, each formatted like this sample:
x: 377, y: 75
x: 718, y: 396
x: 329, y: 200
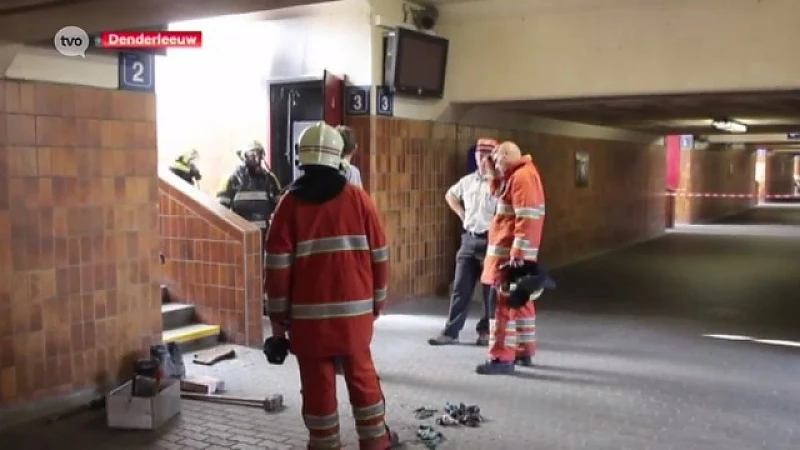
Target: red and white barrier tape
x: 714, y: 195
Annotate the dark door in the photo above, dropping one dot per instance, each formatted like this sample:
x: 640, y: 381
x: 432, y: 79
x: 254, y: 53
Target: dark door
x: 293, y: 105
x: 334, y: 98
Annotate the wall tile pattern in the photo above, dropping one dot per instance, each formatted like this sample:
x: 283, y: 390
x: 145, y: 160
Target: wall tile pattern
x: 410, y: 164
x: 79, y: 262
x: 212, y: 260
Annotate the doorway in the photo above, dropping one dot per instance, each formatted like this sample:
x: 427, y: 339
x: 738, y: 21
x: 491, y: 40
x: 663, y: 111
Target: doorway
x: 294, y: 105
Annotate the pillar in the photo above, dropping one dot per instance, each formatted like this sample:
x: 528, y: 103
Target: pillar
x: 78, y: 229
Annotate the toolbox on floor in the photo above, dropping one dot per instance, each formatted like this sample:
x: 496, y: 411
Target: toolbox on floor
x: 126, y: 411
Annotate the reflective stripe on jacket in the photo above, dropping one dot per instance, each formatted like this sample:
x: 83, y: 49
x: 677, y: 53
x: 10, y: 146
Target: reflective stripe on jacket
x: 516, y: 229
x: 326, y: 272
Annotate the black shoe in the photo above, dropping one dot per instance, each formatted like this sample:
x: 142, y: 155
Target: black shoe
x: 525, y: 361
x: 442, y: 340
x: 495, y: 368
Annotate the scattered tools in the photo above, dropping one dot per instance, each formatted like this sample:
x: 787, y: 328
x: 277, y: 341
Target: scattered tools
x: 272, y: 403
x: 430, y: 437
x: 214, y: 355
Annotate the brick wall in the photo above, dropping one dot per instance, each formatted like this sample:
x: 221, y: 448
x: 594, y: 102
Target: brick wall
x: 213, y: 260
x: 410, y: 164
x: 716, y: 170
x: 78, y: 237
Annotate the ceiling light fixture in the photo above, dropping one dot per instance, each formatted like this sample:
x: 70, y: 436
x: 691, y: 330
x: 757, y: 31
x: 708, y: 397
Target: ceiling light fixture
x: 730, y: 126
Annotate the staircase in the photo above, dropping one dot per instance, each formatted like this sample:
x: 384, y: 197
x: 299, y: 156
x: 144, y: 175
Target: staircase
x: 180, y: 325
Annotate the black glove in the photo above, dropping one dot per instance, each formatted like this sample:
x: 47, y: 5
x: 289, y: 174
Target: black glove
x: 276, y: 349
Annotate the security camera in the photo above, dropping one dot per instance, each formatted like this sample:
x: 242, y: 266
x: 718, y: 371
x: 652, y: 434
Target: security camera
x: 425, y: 18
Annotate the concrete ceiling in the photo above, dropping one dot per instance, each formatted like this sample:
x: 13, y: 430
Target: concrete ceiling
x: 762, y: 112
x: 32, y: 21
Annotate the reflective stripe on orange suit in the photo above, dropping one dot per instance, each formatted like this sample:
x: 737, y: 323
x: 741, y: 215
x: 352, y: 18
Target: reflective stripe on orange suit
x: 326, y: 278
x: 516, y: 231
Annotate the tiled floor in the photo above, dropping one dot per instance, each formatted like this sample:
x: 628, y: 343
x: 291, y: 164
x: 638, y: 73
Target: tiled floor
x: 623, y: 362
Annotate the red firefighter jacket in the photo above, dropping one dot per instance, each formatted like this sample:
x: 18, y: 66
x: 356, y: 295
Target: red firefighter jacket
x: 516, y: 229
x: 326, y: 273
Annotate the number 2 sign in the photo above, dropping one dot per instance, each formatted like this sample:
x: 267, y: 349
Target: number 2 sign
x: 137, y: 72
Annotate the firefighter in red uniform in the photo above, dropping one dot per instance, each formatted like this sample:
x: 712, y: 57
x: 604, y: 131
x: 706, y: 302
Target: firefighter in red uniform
x: 326, y: 280
x: 514, y: 237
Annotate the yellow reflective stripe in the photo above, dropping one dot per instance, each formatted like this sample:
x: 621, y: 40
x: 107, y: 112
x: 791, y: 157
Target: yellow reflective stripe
x: 324, y: 443
x: 520, y: 243
x: 250, y: 196
x: 508, y: 341
x: 278, y: 260
x: 332, y: 310
x: 524, y: 246
x: 380, y: 254
x: 321, y: 423
x: 504, y: 209
x: 533, y: 212
x: 371, y: 432
x: 526, y: 323
x: 331, y: 244
x: 496, y: 250
x: 381, y: 294
x: 277, y: 304
x: 526, y: 338
x: 179, y: 165
x: 369, y: 412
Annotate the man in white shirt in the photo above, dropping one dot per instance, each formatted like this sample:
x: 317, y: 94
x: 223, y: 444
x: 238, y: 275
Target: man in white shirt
x: 351, y: 172
x: 474, y: 204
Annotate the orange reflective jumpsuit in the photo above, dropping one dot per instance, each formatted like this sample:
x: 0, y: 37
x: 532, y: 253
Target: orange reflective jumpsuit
x: 515, y: 232
x: 326, y: 280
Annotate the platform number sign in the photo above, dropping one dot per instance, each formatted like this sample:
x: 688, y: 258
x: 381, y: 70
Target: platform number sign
x: 385, y: 106
x: 137, y: 72
x: 357, y: 100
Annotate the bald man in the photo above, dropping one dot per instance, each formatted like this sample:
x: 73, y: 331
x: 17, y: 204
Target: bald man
x: 514, y: 237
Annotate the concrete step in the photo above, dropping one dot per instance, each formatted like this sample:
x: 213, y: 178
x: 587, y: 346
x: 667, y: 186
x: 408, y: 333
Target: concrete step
x: 192, y: 337
x: 176, y: 315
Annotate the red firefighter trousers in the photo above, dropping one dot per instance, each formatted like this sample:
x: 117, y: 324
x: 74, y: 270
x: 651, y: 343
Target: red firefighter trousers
x: 513, y: 331
x: 320, y: 405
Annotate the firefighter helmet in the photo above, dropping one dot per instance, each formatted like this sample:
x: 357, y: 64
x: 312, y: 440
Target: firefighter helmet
x: 524, y: 283
x: 320, y: 145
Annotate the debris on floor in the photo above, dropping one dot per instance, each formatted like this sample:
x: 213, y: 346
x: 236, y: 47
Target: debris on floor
x: 467, y: 415
x: 202, y: 384
x: 214, y: 355
x: 455, y: 415
x: 423, y: 413
x: 430, y: 437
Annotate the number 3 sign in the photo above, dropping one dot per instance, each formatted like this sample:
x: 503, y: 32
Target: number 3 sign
x: 137, y: 72
x: 357, y: 100
x: 385, y: 102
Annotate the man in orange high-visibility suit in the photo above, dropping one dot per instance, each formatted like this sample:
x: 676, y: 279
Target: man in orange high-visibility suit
x: 326, y: 280
x: 514, y: 237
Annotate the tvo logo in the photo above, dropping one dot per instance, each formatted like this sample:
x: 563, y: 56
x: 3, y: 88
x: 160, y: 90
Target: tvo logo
x: 72, y: 41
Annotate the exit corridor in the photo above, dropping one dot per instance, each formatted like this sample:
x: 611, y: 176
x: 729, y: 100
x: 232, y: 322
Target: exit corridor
x: 686, y: 342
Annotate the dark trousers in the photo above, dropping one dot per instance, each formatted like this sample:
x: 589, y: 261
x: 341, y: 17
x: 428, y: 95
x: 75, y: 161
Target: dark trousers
x: 469, y: 264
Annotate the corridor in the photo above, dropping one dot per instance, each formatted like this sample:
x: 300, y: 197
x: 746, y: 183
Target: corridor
x: 626, y: 360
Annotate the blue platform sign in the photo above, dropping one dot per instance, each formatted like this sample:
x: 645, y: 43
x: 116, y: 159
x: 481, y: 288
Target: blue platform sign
x: 385, y: 104
x: 357, y: 100
x: 137, y: 72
